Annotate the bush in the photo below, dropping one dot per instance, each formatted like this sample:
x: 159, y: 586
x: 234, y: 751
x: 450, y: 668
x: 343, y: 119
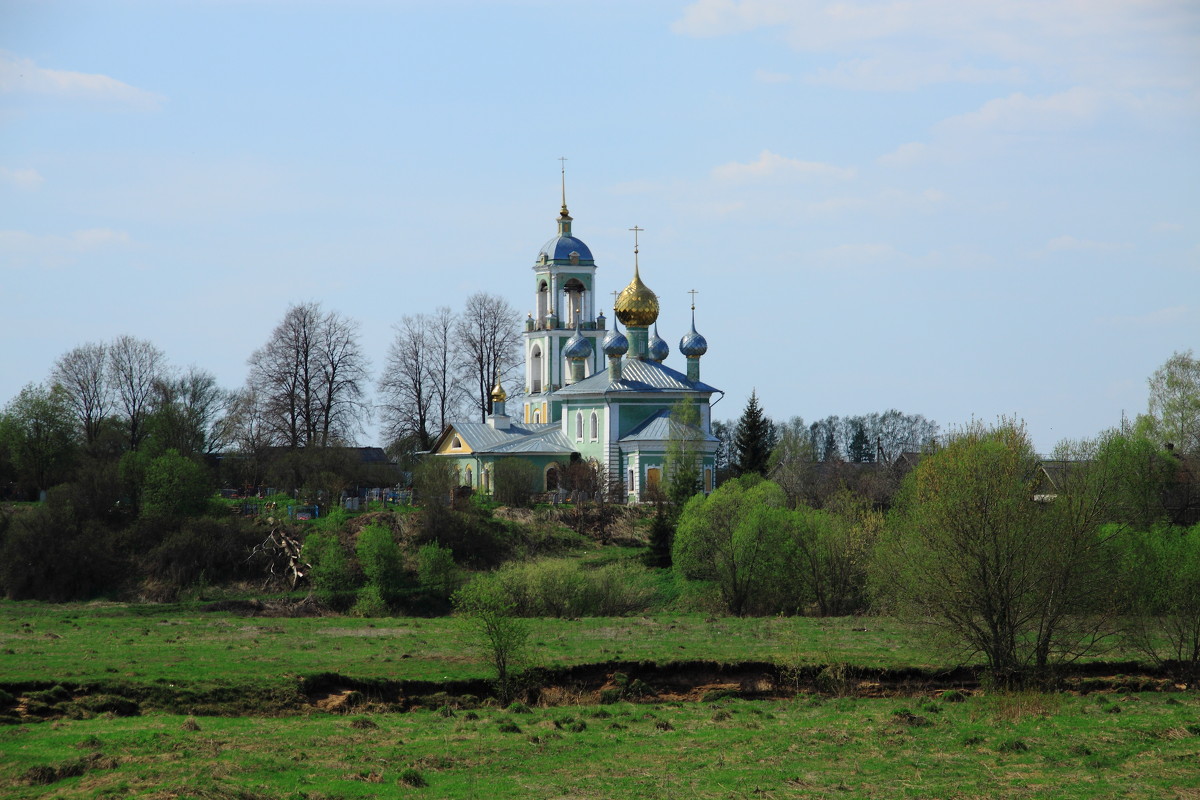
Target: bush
x: 174, y: 485
x: 436, y: 571
x: 564, y: 588
x: 381, y: 562
x: 331, y: 573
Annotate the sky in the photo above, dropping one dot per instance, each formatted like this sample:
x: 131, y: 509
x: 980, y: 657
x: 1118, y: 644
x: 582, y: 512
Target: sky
x: 956, y: 209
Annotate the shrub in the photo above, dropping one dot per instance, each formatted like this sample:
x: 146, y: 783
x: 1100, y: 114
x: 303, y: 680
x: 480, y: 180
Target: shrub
x: 331, y: 574
x: 564, y: 588
x: 413, y: 777
x: 436, y: 570
x: 381, y: 562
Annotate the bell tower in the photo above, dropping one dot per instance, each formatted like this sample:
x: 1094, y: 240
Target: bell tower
x: 564, y: 303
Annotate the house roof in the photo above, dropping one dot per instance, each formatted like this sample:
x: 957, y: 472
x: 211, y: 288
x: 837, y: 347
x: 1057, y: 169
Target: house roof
x: 637, y: 376
x: 660, y: 428
x: 482, y: 438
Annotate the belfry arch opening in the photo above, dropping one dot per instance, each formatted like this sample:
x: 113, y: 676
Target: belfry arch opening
x: 543, y: 303
x: 535, y: 369
x: 576, y: 300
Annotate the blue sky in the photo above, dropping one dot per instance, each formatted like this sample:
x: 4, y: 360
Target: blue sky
x: 952, y: 208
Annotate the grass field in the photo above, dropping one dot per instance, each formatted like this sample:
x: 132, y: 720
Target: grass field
x: 89, y: 642
x: 1126, y: 745
x: 1008, y: 746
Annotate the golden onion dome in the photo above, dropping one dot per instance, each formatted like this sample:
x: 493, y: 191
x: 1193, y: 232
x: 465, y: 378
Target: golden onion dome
x: 637, y: 306
x: 498, y: 393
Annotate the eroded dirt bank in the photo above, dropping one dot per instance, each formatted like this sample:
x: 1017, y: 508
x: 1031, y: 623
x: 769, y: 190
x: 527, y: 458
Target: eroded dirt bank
x: 607, y: 682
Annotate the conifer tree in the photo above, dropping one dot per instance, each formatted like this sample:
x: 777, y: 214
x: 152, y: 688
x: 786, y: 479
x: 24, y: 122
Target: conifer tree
x: 752, y: 440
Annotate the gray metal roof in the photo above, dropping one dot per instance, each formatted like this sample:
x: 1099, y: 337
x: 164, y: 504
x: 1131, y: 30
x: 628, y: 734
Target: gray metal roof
x: 546, y: 437
x: 637, y: 376
x: 660, y: 428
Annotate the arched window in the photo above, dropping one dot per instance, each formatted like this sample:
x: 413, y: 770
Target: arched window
x: 486, y: 477
x: 594, y: 431
x: 551, y: 478
x: 543, y: 303
x: 629, y: 487
x: 579, y: 425
x: 467, y: 477
x: 708, y: 480
x: 537, y: 416
x: 456, y: 444
x: 575, y: 300
x: 535, y: 369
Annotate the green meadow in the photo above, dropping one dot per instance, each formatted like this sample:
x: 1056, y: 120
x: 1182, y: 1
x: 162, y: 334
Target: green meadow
x: 1007, y: 746
x: 932, y: 744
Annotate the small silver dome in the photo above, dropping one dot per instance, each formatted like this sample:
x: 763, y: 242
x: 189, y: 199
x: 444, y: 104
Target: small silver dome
x: 693, y: 345
x: 615, y: 344
x: 657, y: 348
x: 578, y: 346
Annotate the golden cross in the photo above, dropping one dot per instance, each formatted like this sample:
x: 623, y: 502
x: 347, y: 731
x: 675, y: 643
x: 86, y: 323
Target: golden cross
x: 693, y: 293
x: 636, y: 230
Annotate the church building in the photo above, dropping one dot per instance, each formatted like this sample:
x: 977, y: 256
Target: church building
x: 591, y: 393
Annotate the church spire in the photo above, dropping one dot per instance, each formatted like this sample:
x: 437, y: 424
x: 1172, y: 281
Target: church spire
x: 564, y: 216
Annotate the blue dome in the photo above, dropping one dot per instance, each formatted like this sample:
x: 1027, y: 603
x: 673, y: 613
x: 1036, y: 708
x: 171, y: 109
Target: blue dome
x: 693, y: 345
x: 657, y: 348
x: 578, y: 346
x: 615, y: 344
x: 560, y: 248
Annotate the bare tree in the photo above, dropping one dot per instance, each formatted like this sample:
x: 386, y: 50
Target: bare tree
x: 488, y: 335
x: 406, y: 386
x: 446, y: 393
x: 342, y: 373
x: 308, y: 378
x: 191, y: 413
x: 135, y: 367
x: 83, y: 375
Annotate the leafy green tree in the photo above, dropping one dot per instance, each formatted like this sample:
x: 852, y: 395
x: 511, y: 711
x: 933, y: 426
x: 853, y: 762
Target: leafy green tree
x: 436, y: 571
x: 174, y: 486
x: 738, y: 538
x: 1173, y: 413
x: 1162, y: 588
x: 997, y: 573
x: 497, y: 633
x: 381, y: 562
x: 684, y: 459
x: 330, y: 571
x: 38, y: 432
x: 834, y: 547
x: 753, y: 440
x: 514, y: 481
x: 434, y: 481
x: 861, y: 450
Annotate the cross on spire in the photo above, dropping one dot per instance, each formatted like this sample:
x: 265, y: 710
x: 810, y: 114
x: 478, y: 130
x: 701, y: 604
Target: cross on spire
x: 563, y: 165
x: 693, y: 293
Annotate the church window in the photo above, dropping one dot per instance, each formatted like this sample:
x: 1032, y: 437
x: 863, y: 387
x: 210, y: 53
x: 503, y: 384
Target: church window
x: 579, y: 425
x: 535, y: 369
x: 537, y: 416
x: 708, y: 480
x: 467, y: 476
x: 653, y: 477
x: 456, y: 444
x: 552, y: 478
x: 486, y: 477
x: 629, y: 488
x: 595, y: 427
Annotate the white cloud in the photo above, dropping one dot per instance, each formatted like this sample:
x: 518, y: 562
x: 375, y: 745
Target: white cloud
x: 1167, y: 227
x: 1061, y: 244
x: 900, y: 44
x: 1020, y: 113
x: 906, y: 155
x: 21, y: 75
x: 772, y: 165
x: 765, y: 76
x: 907, y: 72
x: 24, y: 249
x: 21, y: 178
